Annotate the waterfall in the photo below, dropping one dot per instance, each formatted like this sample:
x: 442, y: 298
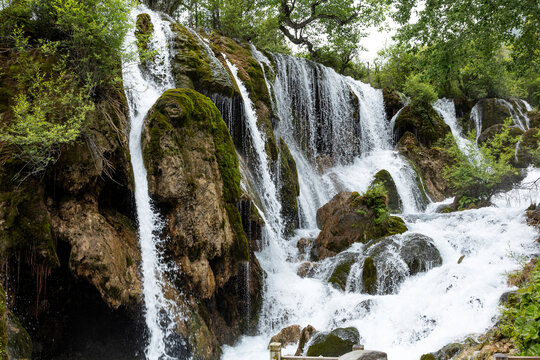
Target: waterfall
x: 337, y: 132
x: 476, y: 117
x: 143, y: 86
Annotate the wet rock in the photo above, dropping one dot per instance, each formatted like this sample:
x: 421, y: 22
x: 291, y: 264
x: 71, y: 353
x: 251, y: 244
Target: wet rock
x: 527, y: 149
x: 288, y: 335
x: 143, y: 32
x: 19, y: 343
x: 350, y: 218
x: 289, y: 189
x: 334, y: 343
x: 306, y: 335
x: 419, y: 253
x: 339, y: 275
x: 493, y: 112
x: 534, y: 119
x: 384, y: 179
x: 392, y: 102
x: 364, y: 355
x: 448, y: 351
x: 307, y: 269
x: 425, y: 123
x: 428, y: 164
x: 304, y: 245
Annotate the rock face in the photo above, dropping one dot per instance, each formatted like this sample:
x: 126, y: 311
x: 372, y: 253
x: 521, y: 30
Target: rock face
x: 392, y: 102
x: 429, y: 164
x: 348, y: 218
x: 289, y: 190
x: 525, y: 152
x: 334, y: 343
x: 194, y: 179
x: 426, y: 124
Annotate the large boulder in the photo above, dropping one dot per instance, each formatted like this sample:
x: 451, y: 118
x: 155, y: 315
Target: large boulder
x: 493, y: 112
x: 194, y: 179
x: 425, y: 123
x: 349, y: 218
x: 288, y: 335
x: 334, y: 343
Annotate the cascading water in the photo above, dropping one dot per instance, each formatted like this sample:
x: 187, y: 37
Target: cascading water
x: 338, y: 134
x: 143, y: 85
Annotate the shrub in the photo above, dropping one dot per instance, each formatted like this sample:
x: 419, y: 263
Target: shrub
x: 420, y: 92
x: 521, y: 320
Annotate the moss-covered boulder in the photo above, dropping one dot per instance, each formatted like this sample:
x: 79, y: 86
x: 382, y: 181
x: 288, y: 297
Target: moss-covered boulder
x: 289, y: 189
x: 194, y: 179
x: 351, y: 217
x: 424, y: 122
x: 493, y: 112
x: 490, y: 132
x: 369, y: 276
x: 340, y: 274
x: 392, y: 102
x: 384, y: 179
x: 334, y: 343
x: 195, y: 66
x: 428, y: 164
x: 306, y: 334
x: 527, y: 149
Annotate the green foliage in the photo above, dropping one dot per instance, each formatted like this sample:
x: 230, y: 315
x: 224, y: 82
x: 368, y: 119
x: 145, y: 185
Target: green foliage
x: 376, y: 198
x: 50, y: 108
x: 480, y: 172
x: 420, y: 92
x: 521, y: 320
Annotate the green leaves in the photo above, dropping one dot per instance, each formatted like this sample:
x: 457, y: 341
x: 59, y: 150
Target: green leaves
x: 521, y: 321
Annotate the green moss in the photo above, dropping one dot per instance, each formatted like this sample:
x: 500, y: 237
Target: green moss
x: 422, y: 121
x: 384, y: 179
x: 19, y: 344
x: 340, y: 274
x: 332, y: 345
x: 240, y: 250
x: 143, y: 32
x: 289, y: 188
x: 427, y: 357
x: 369, y: 276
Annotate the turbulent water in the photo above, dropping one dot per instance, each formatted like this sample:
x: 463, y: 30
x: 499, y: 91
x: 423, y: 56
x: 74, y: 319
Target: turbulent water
x: 143, y: 86
x: 339, y: 135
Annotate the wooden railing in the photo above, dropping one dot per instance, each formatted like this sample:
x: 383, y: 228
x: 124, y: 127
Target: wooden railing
x: 511, y: 357
x: 275, y: 353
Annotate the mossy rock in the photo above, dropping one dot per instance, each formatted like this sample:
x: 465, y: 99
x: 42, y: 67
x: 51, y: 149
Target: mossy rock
x: 3, y: 327
x: 392, y: 102
x: 493, y: 112
x: 422, y: 121
x: 19, y: 344
x: 335, y: 343
x: 427, y: 357
x: 350, y: 218
x: 369, y: 276
x: 384, y: 179
x: 143, y: 32
x: 289, y: 189
x: 339, y: 276
x: 26, y: 224
x: 194, y: 68
x: 527, y: 149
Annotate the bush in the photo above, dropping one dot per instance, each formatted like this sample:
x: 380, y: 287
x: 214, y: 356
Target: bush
x: 480, y: 172
x: 421, y: 93
x: 521, y: 320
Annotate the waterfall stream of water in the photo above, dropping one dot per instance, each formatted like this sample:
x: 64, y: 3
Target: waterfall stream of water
x: 143, y: 86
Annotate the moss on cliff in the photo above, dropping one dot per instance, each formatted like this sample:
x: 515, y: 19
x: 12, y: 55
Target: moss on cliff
x: 423, y: 121
x: 290, y: 188
x: 369, y: 276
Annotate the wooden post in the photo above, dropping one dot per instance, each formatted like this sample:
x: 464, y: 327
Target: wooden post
x: 499, y: 356
x: 357, y: 347
x: 275, y: 351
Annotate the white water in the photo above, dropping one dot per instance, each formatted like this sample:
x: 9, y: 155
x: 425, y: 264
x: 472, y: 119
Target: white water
x: 447, y: 111
x: 143, y: 87
x: 322, y: 116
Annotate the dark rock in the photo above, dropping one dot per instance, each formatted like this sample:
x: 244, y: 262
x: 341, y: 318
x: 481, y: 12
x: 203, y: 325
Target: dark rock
x: 288, y: 335
x: 527, y: 149
x: 339, y: 275
x: 534, y: 119
x: 419, y: 253
x: 392, y: 102
x: 384, y: 178
x: 334, y: 343
x: 289, y: 190
x: 448, y: 351
x: 425, y: 123
x: 350, y: 218
x: 493, y: 112
x: 19, y: 344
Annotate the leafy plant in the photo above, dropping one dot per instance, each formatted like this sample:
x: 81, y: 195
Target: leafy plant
x: 521, y: 320
x: 376, y: 199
